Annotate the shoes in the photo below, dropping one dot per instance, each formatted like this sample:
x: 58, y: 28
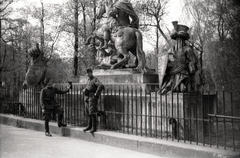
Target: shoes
x: 48, y: 134
x: 87, y: 129
x: 61, y: 125
x: 94, y: 124
x: 89, y: 124
x: 93, y: 130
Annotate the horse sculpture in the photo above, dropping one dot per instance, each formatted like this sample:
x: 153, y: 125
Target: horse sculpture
x: 125, y: 39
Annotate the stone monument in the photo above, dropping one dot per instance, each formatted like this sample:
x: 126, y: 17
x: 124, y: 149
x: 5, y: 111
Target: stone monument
x: 178, y: 66
x: 122, y: 66
x: 179, y: 97
x: 124, y: 60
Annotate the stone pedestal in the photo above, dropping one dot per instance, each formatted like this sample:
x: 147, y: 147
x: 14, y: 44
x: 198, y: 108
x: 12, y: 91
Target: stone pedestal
x: 125, y: 93
x: 128, y: 76
x: 125, y: 77
x: 188, y: 110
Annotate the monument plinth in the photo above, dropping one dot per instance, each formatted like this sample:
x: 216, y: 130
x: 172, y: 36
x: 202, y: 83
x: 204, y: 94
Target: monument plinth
x: 124, y: 78
x: 121, y: 76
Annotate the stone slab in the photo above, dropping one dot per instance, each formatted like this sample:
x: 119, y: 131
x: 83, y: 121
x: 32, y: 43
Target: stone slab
x: 132, y: 142
x: 122, y: 76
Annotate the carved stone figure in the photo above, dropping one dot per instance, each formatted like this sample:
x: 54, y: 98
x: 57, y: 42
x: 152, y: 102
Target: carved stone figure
x: 106, y: 58
x: 110, y: 57
x: 182, y: 65
x: 117, y: 30
x: 121, y: 11
x: 37, y: 69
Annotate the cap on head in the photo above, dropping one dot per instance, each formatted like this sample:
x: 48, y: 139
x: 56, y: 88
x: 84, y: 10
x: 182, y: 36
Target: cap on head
x: 89, y: 71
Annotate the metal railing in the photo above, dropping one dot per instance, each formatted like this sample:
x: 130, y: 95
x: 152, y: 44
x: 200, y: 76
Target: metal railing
x: 206, y: 119
x: 9, y: 100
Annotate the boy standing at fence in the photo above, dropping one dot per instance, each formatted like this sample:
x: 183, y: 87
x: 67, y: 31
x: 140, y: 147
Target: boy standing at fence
x: 92, y: 92
x: 50, y: 106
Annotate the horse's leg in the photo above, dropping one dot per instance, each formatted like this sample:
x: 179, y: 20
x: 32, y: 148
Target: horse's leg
x: 136, y: 62
x: 125, y: 59
x: 133, y: 51
x: 139, y: 52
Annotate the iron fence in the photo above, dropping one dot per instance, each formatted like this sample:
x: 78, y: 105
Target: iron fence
x: 207, y: 119
x: 9, y: 100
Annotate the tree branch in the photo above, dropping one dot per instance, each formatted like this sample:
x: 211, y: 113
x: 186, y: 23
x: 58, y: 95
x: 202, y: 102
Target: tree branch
x: 4, y: 8
x: 53, y: 43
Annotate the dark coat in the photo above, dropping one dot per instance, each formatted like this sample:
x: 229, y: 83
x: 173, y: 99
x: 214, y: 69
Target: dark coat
x: 47, y: 95
x: 94, y: 86
x: 92, y: 91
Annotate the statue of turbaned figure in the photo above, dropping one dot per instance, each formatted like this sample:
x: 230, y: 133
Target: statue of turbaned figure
x: 37, y: 68
x: 179, y: 66
x: 118, y: 31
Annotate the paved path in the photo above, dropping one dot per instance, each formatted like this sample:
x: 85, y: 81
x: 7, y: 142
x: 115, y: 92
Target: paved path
x: 23, y: 143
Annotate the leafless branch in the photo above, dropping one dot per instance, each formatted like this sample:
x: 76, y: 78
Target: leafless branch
x: 5, y: 7
x: 54, y: 42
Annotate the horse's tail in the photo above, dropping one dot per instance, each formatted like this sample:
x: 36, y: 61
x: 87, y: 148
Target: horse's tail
x: 139, y: 51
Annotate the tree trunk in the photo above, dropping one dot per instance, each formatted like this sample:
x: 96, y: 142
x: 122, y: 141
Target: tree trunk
x: 0, y: 51
x: 94, y: 15
x: 83, y: 4
x: 75, y: 58
x: 92, y: 52
x: 157, y: 48
x: 84, y: 22
x: 14, y: 71
x: 42, y: 30
x: 163, y: 34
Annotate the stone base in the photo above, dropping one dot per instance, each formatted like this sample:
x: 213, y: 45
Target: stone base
x: 188, y: 110
x: 122, y: 76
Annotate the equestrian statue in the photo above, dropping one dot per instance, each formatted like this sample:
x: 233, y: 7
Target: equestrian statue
x: 120, y: 28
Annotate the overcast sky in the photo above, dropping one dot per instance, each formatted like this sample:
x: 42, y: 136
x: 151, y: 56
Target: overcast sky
x: 174, y: 9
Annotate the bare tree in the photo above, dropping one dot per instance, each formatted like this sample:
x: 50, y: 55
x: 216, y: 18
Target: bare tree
x: 3, y: 14
x: 48, y: 39
x: 75, y: 58
x: 154, y: 9
x: 42, y: 28
x: 214, y: 22
x: 78, y: 22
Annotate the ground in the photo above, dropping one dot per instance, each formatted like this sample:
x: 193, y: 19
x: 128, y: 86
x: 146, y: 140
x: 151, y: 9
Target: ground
x: 18, y: 142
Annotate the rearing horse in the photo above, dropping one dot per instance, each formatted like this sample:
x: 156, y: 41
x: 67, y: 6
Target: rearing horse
x: 125, y: 39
